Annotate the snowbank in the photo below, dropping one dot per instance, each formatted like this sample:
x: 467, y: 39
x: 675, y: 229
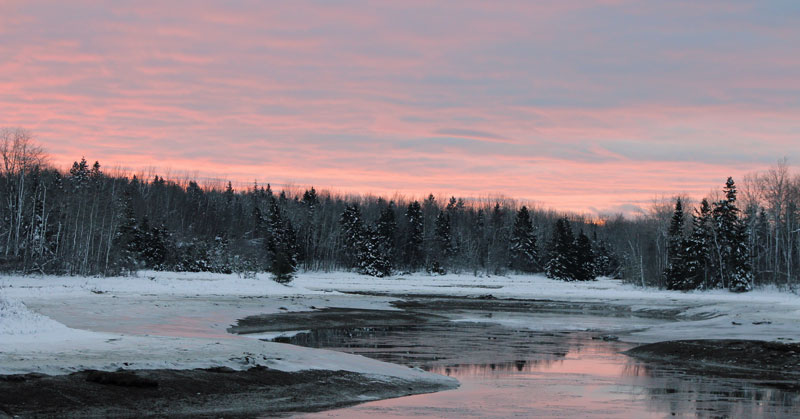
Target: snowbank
x: 30, y: 342
x: 16, y: 320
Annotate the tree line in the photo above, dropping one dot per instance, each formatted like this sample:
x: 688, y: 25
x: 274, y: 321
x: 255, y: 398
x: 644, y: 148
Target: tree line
x: 88, y: 222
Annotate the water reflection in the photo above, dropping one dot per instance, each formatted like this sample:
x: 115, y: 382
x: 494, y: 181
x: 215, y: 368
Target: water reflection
x: 570, y: 365
x: 506, y: 372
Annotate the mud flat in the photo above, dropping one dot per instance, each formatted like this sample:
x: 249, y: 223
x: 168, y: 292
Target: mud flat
x: 211, y: 392
x: 771, y: 363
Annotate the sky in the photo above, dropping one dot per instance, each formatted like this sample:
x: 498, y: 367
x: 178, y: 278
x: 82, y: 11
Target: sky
x: 589, y: 106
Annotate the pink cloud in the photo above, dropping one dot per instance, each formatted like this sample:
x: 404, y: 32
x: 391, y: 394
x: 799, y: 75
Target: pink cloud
x: 554, y: 102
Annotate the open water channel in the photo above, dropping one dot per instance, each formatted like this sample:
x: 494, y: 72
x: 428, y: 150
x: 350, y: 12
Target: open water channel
x: 538, y: 359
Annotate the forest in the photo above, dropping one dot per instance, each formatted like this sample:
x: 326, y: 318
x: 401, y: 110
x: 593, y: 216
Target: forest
x: 85, y: 221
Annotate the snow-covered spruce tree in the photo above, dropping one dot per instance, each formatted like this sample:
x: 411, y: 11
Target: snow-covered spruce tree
x: 584, y: 268
x: 698, y: 248
x: 219, y: 256
x: 675, y: 274
x: 281, y: 245
x: 373, y: 258
x: 456, y: 211
x: 308, y: 226
x: 412, y: 245
x: 563, y: 258
x: 522, y: 247
x: 733, y: 267
x: 127, y: 239
x: 741, y: 271
x: 443, y: 248
x: 386, y: 228
x: 375, y: 255
x: 80, y: 174
x: 153, y: 247
x: 194, y: 256
x: 352, y: 235
x: 606, y: 261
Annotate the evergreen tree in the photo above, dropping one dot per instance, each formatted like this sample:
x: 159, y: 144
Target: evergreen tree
x: 281, y: 245
x: 353, y: 235
x: 194, y: 256
x: 152, y: 247
x: 455, y: 212
x: 698, y: 248
x: 733, y: 268
x: 386, y: 227
x: 741, y: 273
x: 373, y: 257
x: 219, y: 256
x: 310, y: 198
x: 584, y: 267
x: 412, y: 248
x: 522, y: 246
x: 126, y: 241
x: 443, y: 249
x: 606, y: 261
x: 96, y: 175
x: 676, y: 273
x: 563, y: 257
x: 80, y: 174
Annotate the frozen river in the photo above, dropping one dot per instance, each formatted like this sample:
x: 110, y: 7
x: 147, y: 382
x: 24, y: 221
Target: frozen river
x: 512, y: 358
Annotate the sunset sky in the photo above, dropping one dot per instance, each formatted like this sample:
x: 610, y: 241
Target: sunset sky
x: 595, y: 106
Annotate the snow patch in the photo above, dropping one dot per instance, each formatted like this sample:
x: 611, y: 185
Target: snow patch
x: 17, y: 320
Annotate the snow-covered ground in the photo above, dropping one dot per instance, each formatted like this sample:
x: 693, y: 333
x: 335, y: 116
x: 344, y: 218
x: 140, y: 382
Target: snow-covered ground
x: 177, y: 320
x: 33, y: 342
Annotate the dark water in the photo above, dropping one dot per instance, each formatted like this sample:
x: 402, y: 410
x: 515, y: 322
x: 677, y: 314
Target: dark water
x: 513, y: 372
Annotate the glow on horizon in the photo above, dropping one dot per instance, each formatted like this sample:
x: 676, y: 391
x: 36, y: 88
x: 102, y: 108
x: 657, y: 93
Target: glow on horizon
x: 589, y: 106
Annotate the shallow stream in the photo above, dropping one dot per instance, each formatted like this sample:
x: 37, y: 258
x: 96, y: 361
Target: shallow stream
x: 532, y: 362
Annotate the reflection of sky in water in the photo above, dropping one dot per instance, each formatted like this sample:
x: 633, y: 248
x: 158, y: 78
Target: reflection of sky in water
x: 526, y: 373
x: 596, y: 361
